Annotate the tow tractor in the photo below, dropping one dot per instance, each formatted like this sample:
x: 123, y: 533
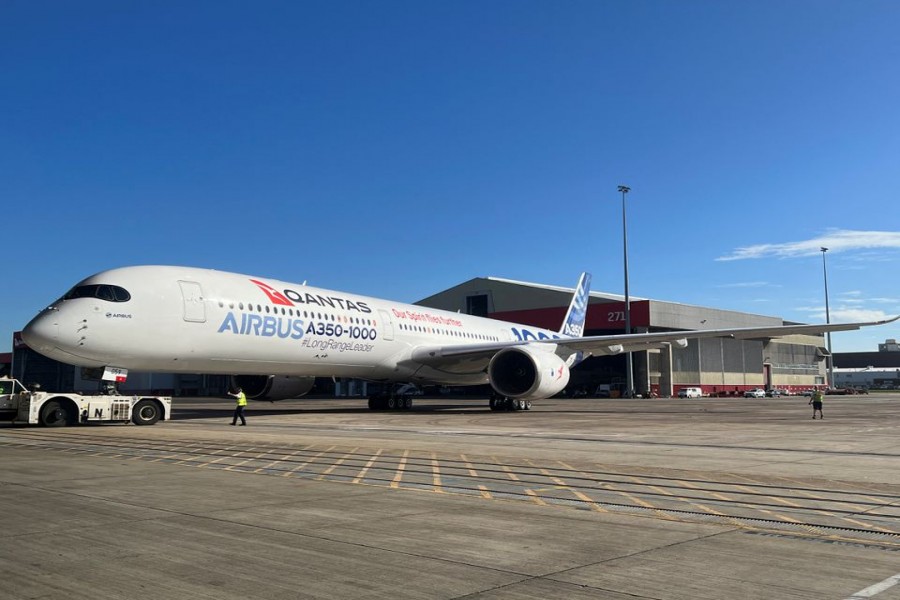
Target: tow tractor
x: 54, y: 409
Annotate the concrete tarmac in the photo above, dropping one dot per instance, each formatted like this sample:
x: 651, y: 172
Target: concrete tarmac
x: 616, y: 499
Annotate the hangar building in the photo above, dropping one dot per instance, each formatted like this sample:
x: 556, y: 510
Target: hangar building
x: 720, y: 366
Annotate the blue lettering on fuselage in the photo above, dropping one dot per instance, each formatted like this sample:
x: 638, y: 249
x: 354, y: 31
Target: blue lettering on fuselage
x: 524, y: 335
x: 258, y: 325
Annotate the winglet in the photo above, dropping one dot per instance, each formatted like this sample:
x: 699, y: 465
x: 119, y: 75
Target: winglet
x: 573, y: 325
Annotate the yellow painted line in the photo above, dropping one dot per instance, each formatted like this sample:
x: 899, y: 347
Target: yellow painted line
x: 866, y: 525
x: 877, y: 500
x: 590, y: 501
x: 744, y: 504
x: 395, y: 483
x: 535, y: 497
x: 469, y: 466
x: 367, y: 466
x: 277, y: 461
x: 243, y: 462
x: 775, y: 498
x: 716, y: 495
x: 337, y: 463
x: 484, y: 492
x: 436, y: 473
x: 303, y: 464
x: 509, y: 473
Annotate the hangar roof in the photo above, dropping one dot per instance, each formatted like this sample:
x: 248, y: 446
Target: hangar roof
x: 545, y: 305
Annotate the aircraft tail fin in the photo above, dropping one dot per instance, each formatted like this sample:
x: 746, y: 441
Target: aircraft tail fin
x: 573, y: 325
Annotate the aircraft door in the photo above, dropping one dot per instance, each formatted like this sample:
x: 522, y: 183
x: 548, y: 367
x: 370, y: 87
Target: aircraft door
x: 194, y: 308
x: 388, y: 334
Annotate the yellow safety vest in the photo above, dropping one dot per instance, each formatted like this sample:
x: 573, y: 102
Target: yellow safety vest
x: 242, y: 399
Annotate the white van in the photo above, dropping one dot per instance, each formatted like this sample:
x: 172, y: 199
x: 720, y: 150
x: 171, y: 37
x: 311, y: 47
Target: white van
x: 690, y: 393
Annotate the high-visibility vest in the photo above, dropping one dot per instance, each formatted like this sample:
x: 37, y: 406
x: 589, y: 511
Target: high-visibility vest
x: 242, y: 399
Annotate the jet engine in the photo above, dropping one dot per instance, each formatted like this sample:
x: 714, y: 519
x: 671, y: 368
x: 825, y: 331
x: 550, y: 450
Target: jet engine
x: 527, y: 373
x: 273, y: 387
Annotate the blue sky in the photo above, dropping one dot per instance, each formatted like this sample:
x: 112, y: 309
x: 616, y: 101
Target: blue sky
x: 398, y: 148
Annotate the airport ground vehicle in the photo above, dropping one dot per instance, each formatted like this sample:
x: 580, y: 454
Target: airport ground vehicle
x: 53, y: 409
x: 690, y: 392
x: 755, y: 393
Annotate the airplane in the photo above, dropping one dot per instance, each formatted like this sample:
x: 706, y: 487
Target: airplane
x: 274, y: 338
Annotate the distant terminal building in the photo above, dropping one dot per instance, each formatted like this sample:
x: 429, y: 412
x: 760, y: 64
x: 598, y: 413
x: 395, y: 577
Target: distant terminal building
x: 889, y: 345
x: 719, y: 366
x: 871, y: 370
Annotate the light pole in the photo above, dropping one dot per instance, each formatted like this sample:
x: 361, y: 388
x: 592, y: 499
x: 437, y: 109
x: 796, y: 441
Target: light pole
x: 829, y: 361
x: 629, y: 370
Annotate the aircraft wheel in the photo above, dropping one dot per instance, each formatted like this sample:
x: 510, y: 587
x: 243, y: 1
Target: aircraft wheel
x: 407, y: 404
x: 528, y: 405
x: 55, y: 414
x: 391, y: 403
x: 145, y: 412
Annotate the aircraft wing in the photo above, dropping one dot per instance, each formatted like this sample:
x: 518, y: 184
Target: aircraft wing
x: 474, y: 357
x: 614, y: 344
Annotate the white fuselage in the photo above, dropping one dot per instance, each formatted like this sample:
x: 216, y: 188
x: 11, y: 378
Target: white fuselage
x: 181, y: 319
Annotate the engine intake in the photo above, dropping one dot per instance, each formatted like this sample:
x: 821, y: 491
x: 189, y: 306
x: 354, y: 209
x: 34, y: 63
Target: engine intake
x: 273, y: 387
x: 527, y: 373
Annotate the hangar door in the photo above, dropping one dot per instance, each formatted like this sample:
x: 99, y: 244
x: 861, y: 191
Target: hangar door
x: 194, y: 308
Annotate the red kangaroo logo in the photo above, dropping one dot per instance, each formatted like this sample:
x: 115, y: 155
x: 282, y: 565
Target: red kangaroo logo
x: 274, y: 295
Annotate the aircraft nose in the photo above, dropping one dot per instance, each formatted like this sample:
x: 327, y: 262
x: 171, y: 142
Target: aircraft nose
x: 42, y: 333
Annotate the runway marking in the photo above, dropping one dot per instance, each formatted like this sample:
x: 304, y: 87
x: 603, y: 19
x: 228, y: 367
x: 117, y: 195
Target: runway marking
x: 359, y: 477
x: 490, y: 477
x: 395, y: 483
x: 312, y: 459
x: 469, y: 466
x: 509, y: 472
x: 873, y: 590
x: 336, y: 464
x: 277, y: 461
x: 246, y: 460
x: 436, y: 473
x: 537, y: 499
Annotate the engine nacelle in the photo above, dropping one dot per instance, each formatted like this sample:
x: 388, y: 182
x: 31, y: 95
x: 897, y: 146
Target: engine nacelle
x: 527, y: 373
x: 273, y: 387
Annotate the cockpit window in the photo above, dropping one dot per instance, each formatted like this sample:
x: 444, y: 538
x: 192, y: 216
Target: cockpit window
x: 110, y: 293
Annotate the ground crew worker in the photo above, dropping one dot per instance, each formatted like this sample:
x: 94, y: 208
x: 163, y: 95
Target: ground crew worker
x: 816, y: 401
x: 239, y: 409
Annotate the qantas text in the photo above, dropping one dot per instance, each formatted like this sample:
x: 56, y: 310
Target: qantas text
x: 289, y: 297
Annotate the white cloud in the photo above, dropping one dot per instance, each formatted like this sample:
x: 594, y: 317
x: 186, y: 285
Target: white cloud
x: 836, y: 240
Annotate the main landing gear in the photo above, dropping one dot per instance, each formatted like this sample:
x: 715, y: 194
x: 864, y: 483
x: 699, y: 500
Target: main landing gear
x: 509, y: 404
x: 391, y: 402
